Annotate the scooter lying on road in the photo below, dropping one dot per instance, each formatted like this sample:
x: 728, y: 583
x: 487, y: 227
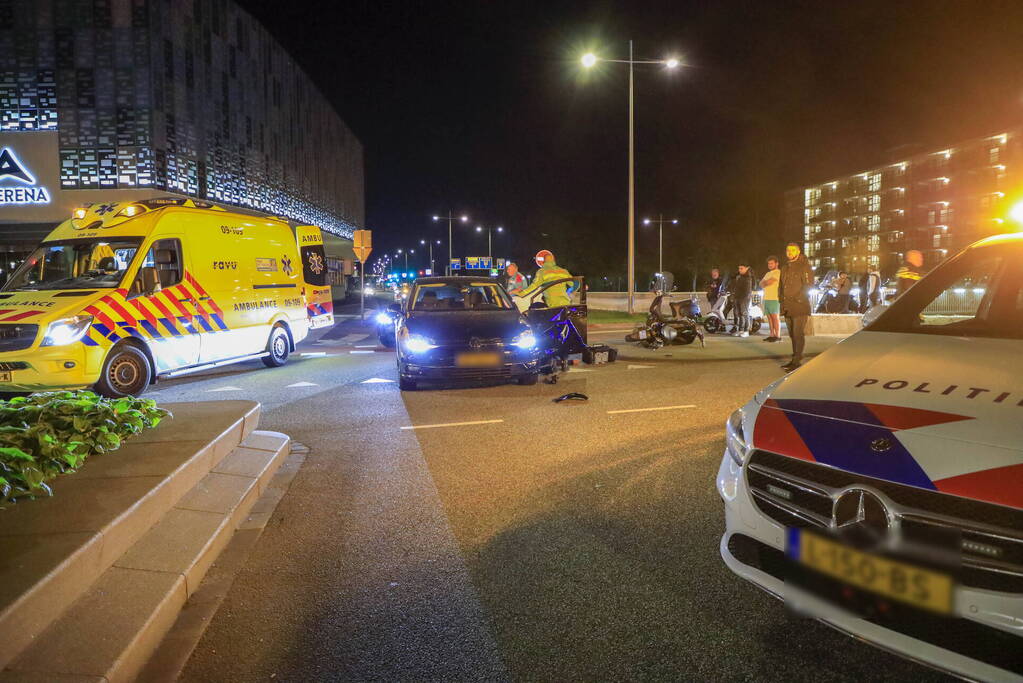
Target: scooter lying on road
x: 660, y: 330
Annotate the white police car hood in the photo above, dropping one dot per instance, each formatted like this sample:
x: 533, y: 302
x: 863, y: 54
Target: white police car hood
x: 932, y: 411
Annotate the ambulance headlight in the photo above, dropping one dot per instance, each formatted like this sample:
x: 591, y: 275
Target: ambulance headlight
x: 418, y: 344
x: 384, y: 319
x: 735, y: 440
x: 67, y: 330
x: 79, y: 213
x: 526, y: 340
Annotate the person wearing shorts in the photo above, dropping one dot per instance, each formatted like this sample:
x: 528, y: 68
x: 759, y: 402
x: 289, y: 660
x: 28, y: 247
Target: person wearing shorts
x: 772, y: 307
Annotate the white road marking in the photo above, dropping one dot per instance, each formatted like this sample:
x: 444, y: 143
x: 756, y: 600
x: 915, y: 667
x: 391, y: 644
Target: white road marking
x: 361, y: 352
x: 645, y: 410
x: 621, y: 331
x: 313, y: 353
x: 572, y: 371
x: 208, y: 391
x: 639, y: 367
x: 365, y: 346
x: 453, y: 424
x: 301, y: 384
x: 377, y: 380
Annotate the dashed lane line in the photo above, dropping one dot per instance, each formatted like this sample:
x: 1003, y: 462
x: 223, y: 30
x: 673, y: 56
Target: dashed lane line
x: 646, y: 410
x: 452, y: 424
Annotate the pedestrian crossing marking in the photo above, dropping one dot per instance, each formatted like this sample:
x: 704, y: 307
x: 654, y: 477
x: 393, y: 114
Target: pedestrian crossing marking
x: 377, y: 380
x: 209, y: 391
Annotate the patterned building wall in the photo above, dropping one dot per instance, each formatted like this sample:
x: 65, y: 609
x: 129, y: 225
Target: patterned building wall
x: 188, y: 96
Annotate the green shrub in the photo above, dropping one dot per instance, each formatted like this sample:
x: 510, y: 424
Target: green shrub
x: 52, y: 433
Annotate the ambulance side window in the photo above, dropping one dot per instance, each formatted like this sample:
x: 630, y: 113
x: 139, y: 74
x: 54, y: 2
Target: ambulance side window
x: 161, y: 268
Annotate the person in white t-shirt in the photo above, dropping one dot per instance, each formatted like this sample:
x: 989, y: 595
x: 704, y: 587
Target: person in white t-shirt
x: 772, y: 308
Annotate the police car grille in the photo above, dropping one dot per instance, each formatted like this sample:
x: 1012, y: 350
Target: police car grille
x: 17, y: 337
x: 799, y: 493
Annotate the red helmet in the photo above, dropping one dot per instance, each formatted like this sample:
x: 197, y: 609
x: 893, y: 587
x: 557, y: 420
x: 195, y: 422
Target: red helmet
x: 542, y: 256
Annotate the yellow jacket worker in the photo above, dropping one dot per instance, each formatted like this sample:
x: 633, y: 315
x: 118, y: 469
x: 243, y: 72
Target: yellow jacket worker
x: 550, y: 271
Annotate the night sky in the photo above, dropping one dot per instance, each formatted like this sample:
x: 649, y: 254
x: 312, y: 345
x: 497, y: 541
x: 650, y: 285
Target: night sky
x: 481, y: 106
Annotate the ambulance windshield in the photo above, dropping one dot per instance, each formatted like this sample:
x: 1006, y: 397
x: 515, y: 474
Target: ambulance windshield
x: 75, y: 264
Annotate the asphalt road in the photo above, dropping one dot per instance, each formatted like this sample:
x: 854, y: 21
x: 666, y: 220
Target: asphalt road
x: 533, y: 541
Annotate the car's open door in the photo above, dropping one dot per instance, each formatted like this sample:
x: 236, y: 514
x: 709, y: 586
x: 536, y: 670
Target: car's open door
x: 566, y: 325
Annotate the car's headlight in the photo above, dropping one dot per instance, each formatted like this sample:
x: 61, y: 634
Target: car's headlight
x: 66, y: 330
x: 384, y: 319
x: 525, y: 340
x: 735, y: 440
x: 418, y: 344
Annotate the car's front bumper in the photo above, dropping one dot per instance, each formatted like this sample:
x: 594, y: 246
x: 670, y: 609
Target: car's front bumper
x: 505, y: 371
x: 753, y: 546
x: 46, y: 368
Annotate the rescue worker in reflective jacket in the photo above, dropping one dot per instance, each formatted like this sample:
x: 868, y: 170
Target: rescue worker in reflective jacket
x: 556, y: 295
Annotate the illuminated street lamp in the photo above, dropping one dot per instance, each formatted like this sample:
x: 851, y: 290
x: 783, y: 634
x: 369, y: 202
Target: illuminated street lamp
x: 428, y: 242
x: 660, y: 220
x: 589, y: 60
x: 450, y: 219
x: 490, y: 251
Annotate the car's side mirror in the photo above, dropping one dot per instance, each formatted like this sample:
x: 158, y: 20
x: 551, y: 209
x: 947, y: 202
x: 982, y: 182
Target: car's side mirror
x: 394, y: 308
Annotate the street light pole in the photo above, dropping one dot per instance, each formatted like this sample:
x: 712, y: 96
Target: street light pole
x: 490, y: 250
x: 661, y: 220
x: 631, y: 304
x: 450, y: 219
x: 589, y: 60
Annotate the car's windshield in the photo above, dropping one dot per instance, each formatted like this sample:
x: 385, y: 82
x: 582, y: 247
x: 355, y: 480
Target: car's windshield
x: 476, y: 296
x: 75, y: 264
x: 978, y: 294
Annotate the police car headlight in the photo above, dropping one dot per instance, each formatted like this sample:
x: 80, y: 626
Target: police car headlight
x: 525, y: 340
x: 66, y: 330
x: 418, y: 344
x: 384, y: 319
x: 735, y: 440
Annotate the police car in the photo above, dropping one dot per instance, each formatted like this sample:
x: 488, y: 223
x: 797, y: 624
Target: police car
x: 879, y: 488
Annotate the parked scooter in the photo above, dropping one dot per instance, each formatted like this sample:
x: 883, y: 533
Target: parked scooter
x: 715, y: 321
x: 660, y: 330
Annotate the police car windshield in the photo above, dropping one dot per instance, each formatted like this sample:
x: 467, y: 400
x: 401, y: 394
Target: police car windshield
x: 977, y: 294
x: 75, y: 264
x: 482, y: 296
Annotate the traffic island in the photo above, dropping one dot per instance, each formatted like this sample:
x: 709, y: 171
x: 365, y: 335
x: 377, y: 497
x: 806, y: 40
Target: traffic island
x: 94, y: 576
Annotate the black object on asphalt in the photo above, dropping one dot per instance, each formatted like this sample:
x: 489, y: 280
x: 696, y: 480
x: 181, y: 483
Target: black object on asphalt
x: 573, y: 396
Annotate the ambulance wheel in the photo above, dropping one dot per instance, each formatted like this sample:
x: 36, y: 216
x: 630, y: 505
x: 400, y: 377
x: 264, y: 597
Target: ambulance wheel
x: 278, y: 347
x: 126, y: 372
x: 406, y: 384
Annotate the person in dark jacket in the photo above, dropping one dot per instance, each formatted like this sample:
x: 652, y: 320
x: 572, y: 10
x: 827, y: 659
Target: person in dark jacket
x: 794, y: 295
x: 742, y: 292
x: 713, y: 286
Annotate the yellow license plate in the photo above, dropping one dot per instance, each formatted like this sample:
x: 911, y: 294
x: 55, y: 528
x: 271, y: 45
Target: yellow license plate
x: 5, y: 375
x: 896, y: 580
x: 477, y: 360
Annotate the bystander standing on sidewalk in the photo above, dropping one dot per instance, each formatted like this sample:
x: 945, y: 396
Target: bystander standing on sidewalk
x: 843, y: 288
x: 772, y: 307
x: 713, y: 287
x: 742, y: 292
x: 910, y: 272
x: 794, y: 295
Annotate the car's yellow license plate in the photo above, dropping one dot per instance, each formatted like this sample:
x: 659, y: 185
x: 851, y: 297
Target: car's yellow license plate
x: 896, y: 580
x: 5, y: 375
x: 477, y: 360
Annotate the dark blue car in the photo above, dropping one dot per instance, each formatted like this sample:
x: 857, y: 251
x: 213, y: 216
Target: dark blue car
x: 464, y: 328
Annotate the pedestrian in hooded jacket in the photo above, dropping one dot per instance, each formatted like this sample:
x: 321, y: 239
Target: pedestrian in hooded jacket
x: 794, y: 294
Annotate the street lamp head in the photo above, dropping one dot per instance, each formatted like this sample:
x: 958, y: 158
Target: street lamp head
x: 646, y: 221
x: 464, y: 219
x: 422, y: 241
x: 674, y: 221
x: 411, y: 251
x: 479, y: 228
x: 500, y: 229
x: 438, y: 241
x: 589, y: 60
x: 671, y: 63
x: 436, y: 218
x: 399, y: 251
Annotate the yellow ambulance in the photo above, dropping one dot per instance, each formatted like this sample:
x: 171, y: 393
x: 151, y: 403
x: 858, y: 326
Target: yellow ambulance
x: 123, y: 293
